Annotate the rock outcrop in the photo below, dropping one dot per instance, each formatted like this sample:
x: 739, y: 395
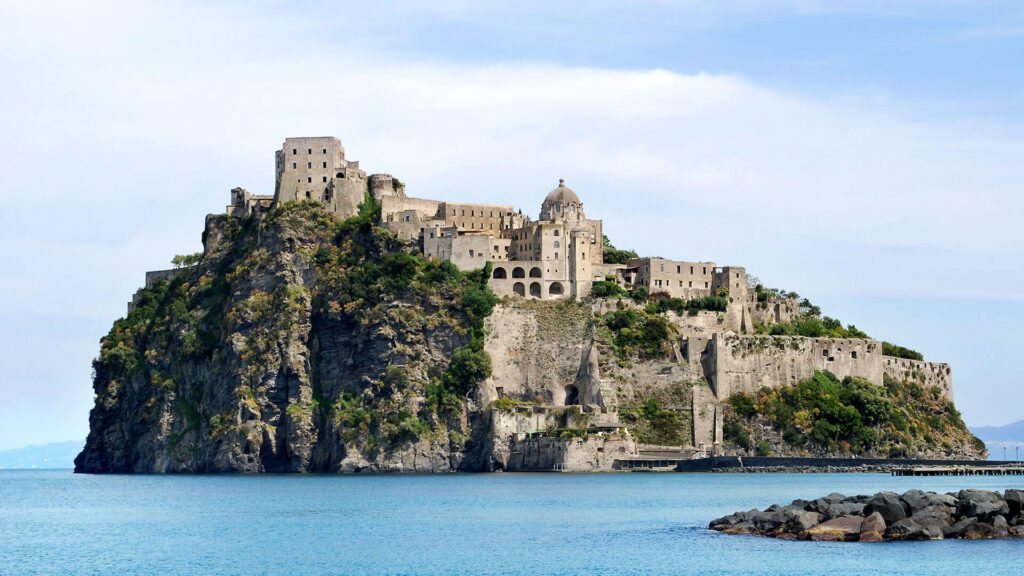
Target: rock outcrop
x: 914, y: 515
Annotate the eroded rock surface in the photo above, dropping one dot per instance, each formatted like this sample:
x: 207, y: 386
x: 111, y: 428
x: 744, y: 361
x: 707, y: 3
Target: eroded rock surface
x: 913, y: 515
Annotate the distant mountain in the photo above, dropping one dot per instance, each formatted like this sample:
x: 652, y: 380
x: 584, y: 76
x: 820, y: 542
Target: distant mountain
x: 54, y: 455
x: 1009, y: 433
x: 1010, y: 437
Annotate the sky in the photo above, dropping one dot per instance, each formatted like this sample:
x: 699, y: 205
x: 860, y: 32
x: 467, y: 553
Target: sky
x: 864, y: 154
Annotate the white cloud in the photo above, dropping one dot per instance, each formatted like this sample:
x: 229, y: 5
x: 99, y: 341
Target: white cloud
x: 127, y: 123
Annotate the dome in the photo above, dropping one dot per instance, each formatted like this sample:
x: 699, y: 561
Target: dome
x: 562, y: 194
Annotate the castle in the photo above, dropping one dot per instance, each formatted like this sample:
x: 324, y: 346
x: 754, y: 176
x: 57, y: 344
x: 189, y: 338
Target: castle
x: 560, y: 256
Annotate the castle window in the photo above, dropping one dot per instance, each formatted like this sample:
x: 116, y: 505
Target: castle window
x: 309, y: 164
x: 294, y: 152
x: 824, y: 352
x: 309, y: 150
x: 705, y: 270
x: 705, y: 284
x: 470, y: 253
x: 557, y: 244
x: 471, y: 213
x: 453, y: 211
x: 691, y: 284
x: 327, y: 195
x: 463, y: 212
x: 325, y: 164
x: 309, y: 179
x: 325, y: 151
x: 294, y: 165
x: 679, y: 271
x: 308, y: 194
x: 680, y: 283
x: 556, y: 255
x: 662, y: 267
x: 584, y: 255
x: 341, y: 175
x: 691, y: 269
x: 853, y: 354
x: 325, y: 178
x: 556, y: 231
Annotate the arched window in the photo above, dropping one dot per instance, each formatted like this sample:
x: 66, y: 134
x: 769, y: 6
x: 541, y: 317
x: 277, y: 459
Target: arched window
x: 556, y: 289
x: 499, y: 273
x: 556, y: 244
x: 556, y: 231
x: 519, y: 289
x: 535, y: 272
x: 518, y: 272
x: 535, y: 289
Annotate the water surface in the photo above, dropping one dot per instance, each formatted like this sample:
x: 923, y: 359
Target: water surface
x: 55, y: 522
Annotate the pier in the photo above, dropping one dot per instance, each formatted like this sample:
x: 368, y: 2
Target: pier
x: 959, y: 471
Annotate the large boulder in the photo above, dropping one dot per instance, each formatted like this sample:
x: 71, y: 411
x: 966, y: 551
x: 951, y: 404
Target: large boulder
x: 1015, y: 501
x: 888, y: 505
x: 959, y: 530
x: 1000, y: 527
x: 821, y: 504
x: 843, y: 529
x: 915, y: 500
x: 872, y: 528
x: 907, y: 529
x: 980, y: 504
x: 845, y: 508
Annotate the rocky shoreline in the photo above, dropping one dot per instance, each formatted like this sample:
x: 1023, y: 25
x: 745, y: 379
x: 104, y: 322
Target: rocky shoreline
x: 914, y: 515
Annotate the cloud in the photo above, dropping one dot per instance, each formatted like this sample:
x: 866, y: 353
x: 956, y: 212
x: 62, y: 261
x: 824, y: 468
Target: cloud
x: 127, y: 123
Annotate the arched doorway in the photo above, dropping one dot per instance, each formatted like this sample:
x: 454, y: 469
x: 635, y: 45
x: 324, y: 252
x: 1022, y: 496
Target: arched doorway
x: 556, y: 289
x: 572, y: 395
x: 499, y: 273
x: 535, y: 289
x: 519, y: 289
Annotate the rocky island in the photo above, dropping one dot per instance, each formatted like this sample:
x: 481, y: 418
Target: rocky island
x: 914, y: 515
x: 341, y: 325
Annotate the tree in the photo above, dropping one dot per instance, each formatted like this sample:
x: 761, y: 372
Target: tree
x: 186, y: 260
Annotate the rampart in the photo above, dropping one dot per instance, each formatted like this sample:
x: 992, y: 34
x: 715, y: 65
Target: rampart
x: 925, y: 373
x: 745, y: 363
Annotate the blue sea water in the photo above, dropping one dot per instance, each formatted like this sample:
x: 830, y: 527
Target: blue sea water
x: 56, y: 522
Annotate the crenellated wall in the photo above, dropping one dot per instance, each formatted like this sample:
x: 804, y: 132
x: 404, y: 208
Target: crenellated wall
x: 925, y: 373
x: 745, y: 363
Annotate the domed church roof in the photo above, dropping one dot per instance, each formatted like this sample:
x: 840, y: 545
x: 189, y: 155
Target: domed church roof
x: 562, y: 194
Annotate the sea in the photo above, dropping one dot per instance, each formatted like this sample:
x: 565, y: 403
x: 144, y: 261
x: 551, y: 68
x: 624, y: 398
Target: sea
x: 57, y: 522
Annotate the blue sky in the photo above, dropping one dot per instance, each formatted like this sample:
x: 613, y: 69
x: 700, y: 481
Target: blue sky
x: 865, y: 154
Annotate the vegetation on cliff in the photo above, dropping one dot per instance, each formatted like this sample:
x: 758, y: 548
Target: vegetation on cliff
x: 296, y: 343
x: 823, y: 415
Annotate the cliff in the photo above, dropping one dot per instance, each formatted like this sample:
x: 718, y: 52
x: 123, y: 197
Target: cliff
x: 300, y: 343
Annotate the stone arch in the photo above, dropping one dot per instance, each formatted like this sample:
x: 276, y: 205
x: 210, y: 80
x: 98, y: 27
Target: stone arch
x: 518, y: 272
x: 536, y: 272
x: 572, y: 395
x: 500, y: 273
x: 535, y: 289
x: 556, y: 289
x: 556, y: 231
x: 519, y: 289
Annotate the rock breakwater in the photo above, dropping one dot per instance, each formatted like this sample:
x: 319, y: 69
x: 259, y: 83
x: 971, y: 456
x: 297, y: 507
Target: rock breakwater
x: 914, y: 515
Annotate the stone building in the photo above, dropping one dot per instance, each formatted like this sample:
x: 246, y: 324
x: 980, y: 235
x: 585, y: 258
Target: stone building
x: 316, y: 169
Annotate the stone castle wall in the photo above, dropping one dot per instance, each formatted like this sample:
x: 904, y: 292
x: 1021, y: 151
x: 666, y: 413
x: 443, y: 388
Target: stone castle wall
x: 746, y: 363
x: 925, y: 373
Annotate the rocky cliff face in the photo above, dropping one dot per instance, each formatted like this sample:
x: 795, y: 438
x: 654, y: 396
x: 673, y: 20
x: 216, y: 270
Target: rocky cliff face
x: 297, y: 344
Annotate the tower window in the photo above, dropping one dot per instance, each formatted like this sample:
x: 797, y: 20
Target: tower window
x: 325, y: 150
x: 294, y: 165
x: 325, y: 164
x: 294, y: 152
x: 309, y: 179
x: 309, y: 150
x: 325, y: 178
x: 308, y: 194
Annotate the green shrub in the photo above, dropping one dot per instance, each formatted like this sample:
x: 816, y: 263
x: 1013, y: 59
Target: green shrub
x: 763, y: 448
x: 900, y: 352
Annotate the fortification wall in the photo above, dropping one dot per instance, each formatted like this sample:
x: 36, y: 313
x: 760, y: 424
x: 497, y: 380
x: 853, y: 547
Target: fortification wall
x: 537, y: 350
x: 742, y: 363
x: 925, y: 373
x: 589, y: 454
